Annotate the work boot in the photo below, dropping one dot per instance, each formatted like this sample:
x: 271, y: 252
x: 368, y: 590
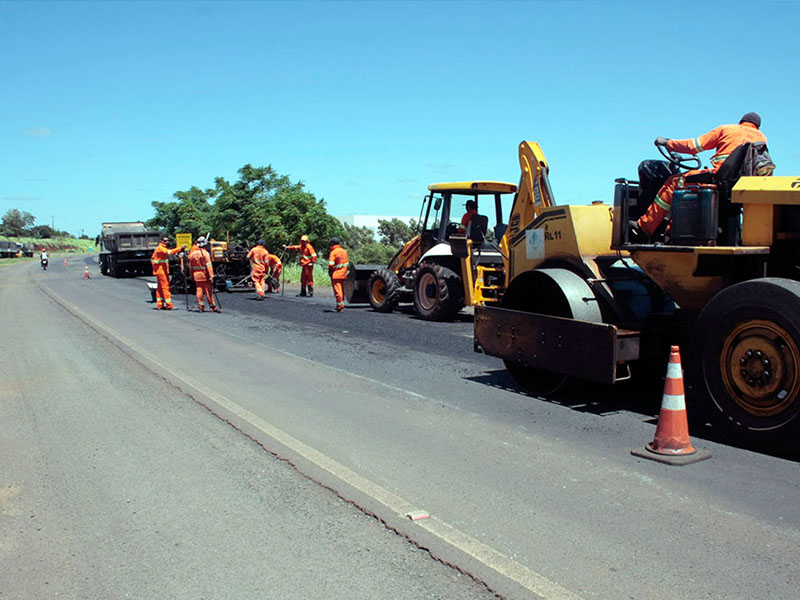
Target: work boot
x: 635, y: 234
x: 310, y: 291
x: 302, y: 292
x: 201, y: 309
x: 214, y: 308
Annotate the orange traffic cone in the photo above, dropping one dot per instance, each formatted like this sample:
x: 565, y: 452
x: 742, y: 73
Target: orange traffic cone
x: 65, y: 261
x: 671, y: 443
x: 86, y: 272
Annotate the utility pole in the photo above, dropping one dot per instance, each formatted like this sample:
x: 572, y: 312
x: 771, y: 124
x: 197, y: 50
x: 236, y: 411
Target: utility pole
x: 53, y: 222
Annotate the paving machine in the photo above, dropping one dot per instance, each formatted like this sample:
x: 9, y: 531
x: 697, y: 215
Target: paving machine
x: 583, y: 300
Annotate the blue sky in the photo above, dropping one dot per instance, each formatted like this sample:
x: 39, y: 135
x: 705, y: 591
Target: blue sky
x: 107, y: 106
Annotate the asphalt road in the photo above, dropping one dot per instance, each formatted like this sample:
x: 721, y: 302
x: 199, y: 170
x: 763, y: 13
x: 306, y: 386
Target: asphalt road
x: 396, y: 415
x: 114, y: 484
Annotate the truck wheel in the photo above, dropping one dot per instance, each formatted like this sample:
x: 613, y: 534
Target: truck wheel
x: 743, y: 371
x: 384, y: 290
x: 438, y: 294
x: 112, y: 266
x: 553, y: 292
x: 103, y: 267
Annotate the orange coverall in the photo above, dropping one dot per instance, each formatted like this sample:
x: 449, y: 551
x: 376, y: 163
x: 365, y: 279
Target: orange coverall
x: 160, y: 262
x: 275, y: 268
x: 338, y: 263
x: 203, y: 274
x: 259, y: 257
x: 724, y: 139
x: 467, y: 216
x: 307, y: 259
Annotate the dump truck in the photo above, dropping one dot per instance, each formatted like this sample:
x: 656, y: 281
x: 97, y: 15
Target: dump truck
x: 582, y: 300
x: 9, y: 249
x: 126, y: 248
x: 428, y: 270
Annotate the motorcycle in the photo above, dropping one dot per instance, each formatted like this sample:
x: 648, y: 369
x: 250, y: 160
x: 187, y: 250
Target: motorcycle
x: 44, y: 264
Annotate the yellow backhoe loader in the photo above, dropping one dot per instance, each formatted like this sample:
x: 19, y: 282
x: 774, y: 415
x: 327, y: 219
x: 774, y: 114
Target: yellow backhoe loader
x: 430, y: 270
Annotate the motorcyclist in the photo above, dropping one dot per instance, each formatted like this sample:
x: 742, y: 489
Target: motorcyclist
x: 43, y: 258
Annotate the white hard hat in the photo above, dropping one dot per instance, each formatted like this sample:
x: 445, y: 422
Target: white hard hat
x: 201, y: 241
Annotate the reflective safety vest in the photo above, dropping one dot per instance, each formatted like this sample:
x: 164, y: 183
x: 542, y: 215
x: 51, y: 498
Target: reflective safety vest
x: 338, y: 263
x: 200, y: 265
x: 160, y: 259
x: 259, y: 257
x: 308, y: 255
x: 724, y: 139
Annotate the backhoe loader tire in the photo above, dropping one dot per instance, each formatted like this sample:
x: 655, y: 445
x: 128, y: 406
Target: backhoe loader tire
x: 743, y: 367
x: 383, y: 288
x: 438, y: 293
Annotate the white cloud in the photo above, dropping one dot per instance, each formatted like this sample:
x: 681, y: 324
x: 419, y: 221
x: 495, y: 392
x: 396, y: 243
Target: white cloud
x: 38, y: 131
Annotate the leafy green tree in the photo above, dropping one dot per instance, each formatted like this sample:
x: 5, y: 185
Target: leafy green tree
x: 395, y: 233
x: 265, y: 205
x: 362, y: 247
x: 355, y: 237
x: 191, y: 212
x: 43, y: 232
x: 16, y: 223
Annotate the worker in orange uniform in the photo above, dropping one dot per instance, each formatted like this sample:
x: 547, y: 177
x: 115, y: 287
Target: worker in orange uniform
x: 203, y: 274
x: 308, y: 257
x: 338, y: 264
x: 274, y: 270
x: 259, y: 258
x: 724, y: 139
x: 472, y: 209
x: 160, y: 262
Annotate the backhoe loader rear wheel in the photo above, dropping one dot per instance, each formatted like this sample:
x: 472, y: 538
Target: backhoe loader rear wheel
x: 438, y: 292
x: 743, y: 371
x: 384, y: 290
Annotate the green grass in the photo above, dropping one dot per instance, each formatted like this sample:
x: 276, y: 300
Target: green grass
x: 58, y: 245
x: 292, y: 274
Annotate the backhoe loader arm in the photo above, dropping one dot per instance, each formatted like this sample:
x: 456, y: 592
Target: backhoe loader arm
x: 534, y: 192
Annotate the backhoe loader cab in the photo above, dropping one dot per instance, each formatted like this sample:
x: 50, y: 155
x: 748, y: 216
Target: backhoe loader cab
x: 446, y: 266
x: 584, y: 301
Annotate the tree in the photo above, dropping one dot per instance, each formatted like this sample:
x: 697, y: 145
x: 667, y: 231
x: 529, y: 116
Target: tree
x: 362, y: 247
x: 190, y: 213
x: 266, y: 205
x: 261, y: 204
x: 16, y: 223
x: 43, y: 232
x: 395, y: 233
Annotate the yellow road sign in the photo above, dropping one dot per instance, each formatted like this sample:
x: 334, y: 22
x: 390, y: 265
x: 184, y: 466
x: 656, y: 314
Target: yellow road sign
x: 182, y: 239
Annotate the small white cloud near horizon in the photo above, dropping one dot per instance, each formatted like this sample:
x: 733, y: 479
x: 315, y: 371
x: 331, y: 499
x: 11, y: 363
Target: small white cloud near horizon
x: 38, y: 131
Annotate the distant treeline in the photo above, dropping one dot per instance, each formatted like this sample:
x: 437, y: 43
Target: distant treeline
x: 18, y: 224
